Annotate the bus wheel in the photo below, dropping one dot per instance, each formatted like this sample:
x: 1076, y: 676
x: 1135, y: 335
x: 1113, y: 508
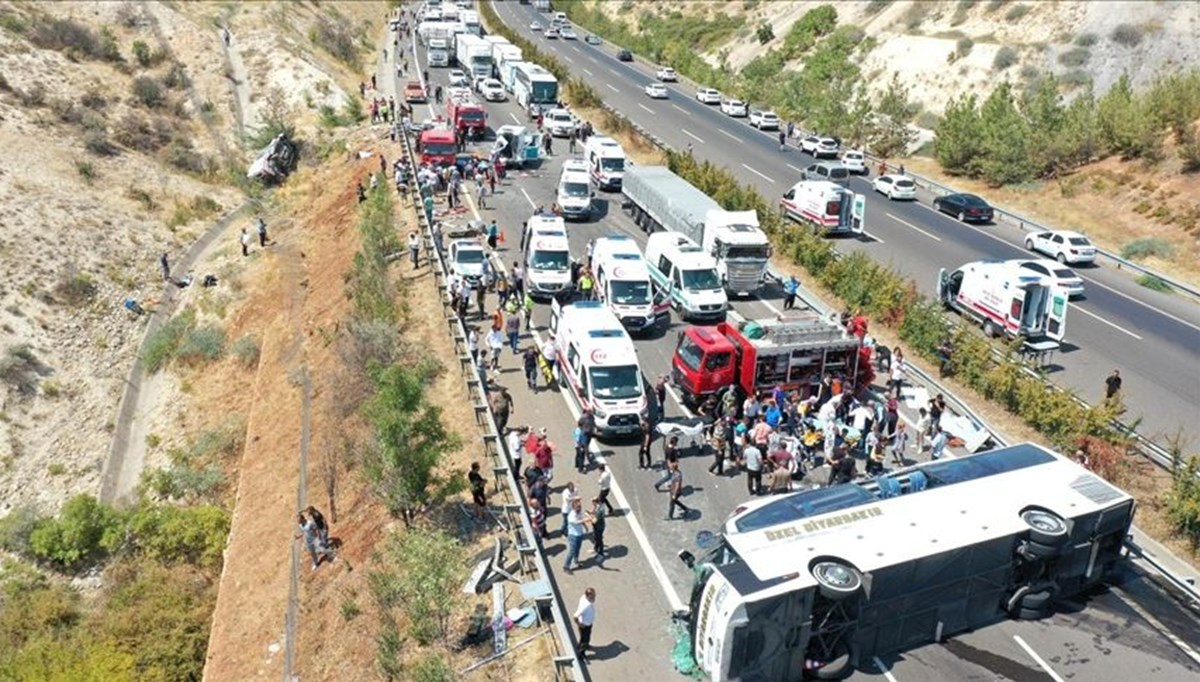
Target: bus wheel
x: 1036, y: 550
x: 1033, y: 614
x: 1038, y: 601
x: 838, y: 666
x: 836, y: 580
x: 1045, y: 528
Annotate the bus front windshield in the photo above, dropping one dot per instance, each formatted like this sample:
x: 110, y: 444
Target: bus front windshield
x: 544, y: 93
x: 558, y: 261
x: 616, y: 383
x: 630, y: 292
x: 701, y: 280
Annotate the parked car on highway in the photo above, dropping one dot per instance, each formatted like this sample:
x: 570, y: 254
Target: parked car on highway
x: 1062, y: 245
x: 657, y: 91
x: 855, y: 162
x: 459, y: 79
x: 966, y: 207
x: 415, y: 92
x: 624, y: 55
x: 1061, y: 275
x: 667, y: 75
x: 764, y: 120
x: 734, y: 107
x: 551, y: 33
x: 895, y: 187
x: 535, y: 26
x: 492, y: 90
x: 708, y: 96
x: 559, y: 122
x: 819, y: 146
x: 592, y: 39
x: 466, y: 259
x: 569, y: 34
x: 826, y: 170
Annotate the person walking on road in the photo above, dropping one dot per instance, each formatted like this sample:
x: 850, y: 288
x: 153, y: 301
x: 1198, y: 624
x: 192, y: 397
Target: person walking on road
x: 644, y: 461
x: 414, y: 249
x: 782, y: 141
x: 575, y: 532
x: 676, y: 490
x: 753, y: 461
x: 605, y: 484
x: 585, y: 617
x: 598, y: 517
x: 937, y: 447
x: 531, y: 367
x: 1112, y: 386
x: 245, y: 239
x: 570, y: 495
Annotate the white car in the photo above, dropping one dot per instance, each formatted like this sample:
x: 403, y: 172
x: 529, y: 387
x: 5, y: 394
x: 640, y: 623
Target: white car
x: 855, y: 162
x: 819, y: 146
x: 466, y: 259
x: 551, y: 33
x: 734, y: 107
x: 492, y: 90
x: 708, y: 96
x: 535, y: 26
x: 458, y: 92
x: 656, y: 91
x: 1062, y: 245
x: 764, y: 120
x: 458, y: 79
x: 667, y: 75
x: 1061, y: 275
x: 896, y: 187
x: 569, y: 34
x: 559, y: 122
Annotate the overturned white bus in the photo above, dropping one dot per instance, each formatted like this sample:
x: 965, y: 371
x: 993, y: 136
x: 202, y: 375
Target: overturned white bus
x: 813, y: 584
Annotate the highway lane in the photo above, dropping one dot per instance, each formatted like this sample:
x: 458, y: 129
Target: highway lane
x: 643, y: 581
x: 1151, y: 337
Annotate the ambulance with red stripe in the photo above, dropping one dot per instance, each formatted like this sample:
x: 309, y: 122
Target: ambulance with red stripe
x: 623, y: 283
x: 597, y: 365
x: 826, y: 207
x: 1006, y: 299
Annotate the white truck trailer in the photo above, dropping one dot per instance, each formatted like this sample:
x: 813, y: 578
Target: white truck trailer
x: 661, y: 200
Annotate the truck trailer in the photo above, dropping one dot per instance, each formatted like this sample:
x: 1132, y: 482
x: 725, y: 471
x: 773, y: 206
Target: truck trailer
x: 661, y: 200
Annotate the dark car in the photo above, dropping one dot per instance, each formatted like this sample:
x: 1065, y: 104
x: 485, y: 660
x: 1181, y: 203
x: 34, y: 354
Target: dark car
x: 966, y: 207
x: 624, y: 55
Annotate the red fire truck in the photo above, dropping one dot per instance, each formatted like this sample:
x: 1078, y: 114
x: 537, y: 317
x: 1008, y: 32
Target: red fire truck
x: 793, y: 353
x: 438, y: 146
x: 466, y: 114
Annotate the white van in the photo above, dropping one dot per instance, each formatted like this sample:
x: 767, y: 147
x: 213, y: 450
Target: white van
x: 546, y: 257
x: 1006, y: 299
x: 623, y: 283
x: 686, y: 276
x: 575, y: 191
x: 606, y: 162
x: 597, y: 364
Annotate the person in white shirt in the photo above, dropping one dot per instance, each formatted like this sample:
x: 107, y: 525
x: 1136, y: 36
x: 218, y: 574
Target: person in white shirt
x: 569, y: 495
x: 549, y: 351
x: 937, y: 448
x: 605, y: 483
x: 516, y: 449
x: 828, y: 411
x: 859, y: 417
x: 897, y: 381
x: 495, y: 342
x: 922, y: 429
x: 585, y: 617
x: 473, y: 344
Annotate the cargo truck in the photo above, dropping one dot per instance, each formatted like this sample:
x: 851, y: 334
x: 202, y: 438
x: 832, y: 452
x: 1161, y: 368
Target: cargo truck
x: 438, y: 52
x: 474, y: 55
x: 661, y: 200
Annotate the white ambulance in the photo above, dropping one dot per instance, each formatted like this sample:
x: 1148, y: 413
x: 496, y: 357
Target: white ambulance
x: 623, y: 283
x: 597, y: 364
x: 686, y: 276
x: 546, y: 256
x: 826, y: 207
x: 574, y: 191
x: 1006, y: 299
x: 606, y: 162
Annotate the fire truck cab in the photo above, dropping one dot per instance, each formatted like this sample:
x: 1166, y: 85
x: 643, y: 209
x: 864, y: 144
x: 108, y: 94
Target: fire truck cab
x: 438, y: 146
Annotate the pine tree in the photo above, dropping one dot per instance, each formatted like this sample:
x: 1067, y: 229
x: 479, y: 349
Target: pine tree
x: 1004, y: 144
x: 957, y: 139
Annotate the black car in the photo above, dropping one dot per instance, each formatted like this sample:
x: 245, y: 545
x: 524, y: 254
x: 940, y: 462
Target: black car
x: 967, y: 207
x: 624, y: 55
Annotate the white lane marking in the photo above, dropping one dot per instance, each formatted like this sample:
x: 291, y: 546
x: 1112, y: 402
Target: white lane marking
x: 681, y: 110
x: 757, y: 173
x: 615, y: 72
x: 689, y: 134
x: 610, y: 87
x: 679, y: 402
x: 1162, y: 629
x: 514, y: 118
x: 1101, y: 319
x: 729, y: 135
x: 572, y: 61
x: 883, y: 669
x: 531, y: 204
x: 1089, y: 279
x: 798, y: 170
x: 645, y: 108
x: 588, y: 72
x: 1038, y: 659
x: 905, y: 222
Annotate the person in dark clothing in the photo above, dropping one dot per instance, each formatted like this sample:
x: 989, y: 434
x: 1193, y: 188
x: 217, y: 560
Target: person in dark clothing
x: 598, y: 516
x: 262, y: 232
x: 644, y: 449
x: 670, y: 454
x: 1112, y: 385
x: 841, y: 470
x: 361, y: 191
x: 165, y: 265
x: 478, y: 490
x: 660, y: 394
x: 717, y: 443
x: 676, y: 491
x: 531, y: 367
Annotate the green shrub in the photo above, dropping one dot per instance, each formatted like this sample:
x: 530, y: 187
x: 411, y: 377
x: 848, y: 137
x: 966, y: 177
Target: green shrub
x: 1005, y: 57
x: 164, y: 342
x: 184, y: 482
x: 86, y: 170
x: 202, y: 344
x: 350, y: 609
x: 1086, y: 39
x: 433, y: 668
x: 20, y: 369
x: 246, y: 350
x: 15, y: 529
x: 876, y: 6
x: 1154, y: 283
x: 76, y: 288
x: 84, y: 532
x: 149, y: 91
x: 1016, y: 13
x: 190, y: 535
x: 765, y: 33
x: 1075, y: 57
x: 142, y: 53
x: 1147, y: 247
x: 1076, y: 78
x: 1127, y: 35
x: 336, y: 35
x: 424, y: 570
x: 963, y: 47
x: 1183, y: 500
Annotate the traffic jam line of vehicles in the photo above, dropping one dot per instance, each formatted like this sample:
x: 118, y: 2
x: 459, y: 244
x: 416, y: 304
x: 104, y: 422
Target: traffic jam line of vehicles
x: 786, y: 569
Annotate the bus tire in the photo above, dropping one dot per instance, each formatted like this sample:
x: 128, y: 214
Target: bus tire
x: 1046, y: 528
x: 1038, y: 601
x: 838, y: 667
x: 1033, y: 614
x: 836, y: 580
x: 1037, y: 550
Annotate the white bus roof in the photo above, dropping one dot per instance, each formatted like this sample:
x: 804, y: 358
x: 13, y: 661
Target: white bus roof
x: 597, y: 333
x: 966, y: 501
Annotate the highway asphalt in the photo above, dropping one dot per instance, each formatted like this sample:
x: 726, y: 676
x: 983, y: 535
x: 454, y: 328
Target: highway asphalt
x: 1153, y: 338
x: 642, y: 582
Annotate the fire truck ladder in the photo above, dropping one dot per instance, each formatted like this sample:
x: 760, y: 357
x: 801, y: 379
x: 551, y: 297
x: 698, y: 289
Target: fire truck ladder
x: 804, y: 332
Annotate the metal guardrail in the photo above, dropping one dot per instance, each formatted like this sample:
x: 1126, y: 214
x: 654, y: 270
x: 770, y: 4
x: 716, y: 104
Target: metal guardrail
x: 530, y: 555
